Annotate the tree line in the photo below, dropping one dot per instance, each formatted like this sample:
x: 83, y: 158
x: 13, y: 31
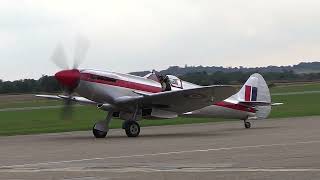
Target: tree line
x: 50, y: 85
x: 239, y: 77
x: 44, y: 84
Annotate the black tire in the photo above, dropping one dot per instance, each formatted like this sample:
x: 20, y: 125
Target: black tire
x: 247, y: 125
x: 98, y: 134
x: 132, y: 128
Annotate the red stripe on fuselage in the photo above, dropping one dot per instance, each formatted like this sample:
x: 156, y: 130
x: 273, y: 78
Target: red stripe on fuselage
x: 235, y: 106
x: 248, y: 93
x: 122, y: 83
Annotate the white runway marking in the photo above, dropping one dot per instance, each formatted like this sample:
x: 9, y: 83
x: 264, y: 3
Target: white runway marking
x: 133, y: 169
x: 159, y: 154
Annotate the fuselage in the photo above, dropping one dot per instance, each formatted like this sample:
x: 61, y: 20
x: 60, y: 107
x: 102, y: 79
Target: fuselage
x: 105, y: 87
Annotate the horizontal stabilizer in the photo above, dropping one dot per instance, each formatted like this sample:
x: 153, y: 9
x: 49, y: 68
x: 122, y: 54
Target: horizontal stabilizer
x: 276, y: 104
x: 259, y: 103
x: 255, y: 103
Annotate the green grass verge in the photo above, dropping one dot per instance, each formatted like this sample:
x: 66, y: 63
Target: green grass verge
x: 48, y: 121
x: 295, y: 88
x: 296, y: 105
x: 34, y: 103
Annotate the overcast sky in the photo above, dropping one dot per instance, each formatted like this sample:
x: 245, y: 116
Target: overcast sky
x: 133, y: 35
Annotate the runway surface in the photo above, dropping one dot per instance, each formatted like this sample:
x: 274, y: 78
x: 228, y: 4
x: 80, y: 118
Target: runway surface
x: 272, y: 149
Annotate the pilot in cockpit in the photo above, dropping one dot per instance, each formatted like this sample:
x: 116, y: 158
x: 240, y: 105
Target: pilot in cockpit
x: 162, y: 79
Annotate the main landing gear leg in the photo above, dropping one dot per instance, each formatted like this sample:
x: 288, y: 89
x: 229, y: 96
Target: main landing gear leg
x: 131, y: 127
x: 101, y: 128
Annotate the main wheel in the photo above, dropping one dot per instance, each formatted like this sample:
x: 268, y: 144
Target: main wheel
x: 99, y: 131
x: 132, y: 128
x: 247, y: 125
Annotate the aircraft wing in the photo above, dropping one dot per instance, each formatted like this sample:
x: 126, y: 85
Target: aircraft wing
x: 180, y: 101
x: 76, y: 99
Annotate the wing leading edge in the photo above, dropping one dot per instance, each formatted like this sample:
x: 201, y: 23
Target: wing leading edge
x: 77, y: 99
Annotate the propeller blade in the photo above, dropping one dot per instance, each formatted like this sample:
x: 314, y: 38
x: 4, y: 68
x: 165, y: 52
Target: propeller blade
x: 59, y: 57
x: 80, y: 51
x: 67, y: 110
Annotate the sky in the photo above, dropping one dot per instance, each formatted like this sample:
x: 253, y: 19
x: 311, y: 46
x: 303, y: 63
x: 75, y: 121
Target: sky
x: 127, y: 35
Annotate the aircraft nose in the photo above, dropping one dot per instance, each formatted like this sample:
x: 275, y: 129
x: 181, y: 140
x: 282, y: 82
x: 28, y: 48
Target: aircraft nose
x: 68, y: 78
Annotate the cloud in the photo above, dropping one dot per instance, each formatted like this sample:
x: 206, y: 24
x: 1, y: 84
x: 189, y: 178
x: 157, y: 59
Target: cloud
x: 130, y: 35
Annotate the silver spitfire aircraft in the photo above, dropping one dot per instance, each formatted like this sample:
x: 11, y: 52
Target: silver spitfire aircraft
x: 131, y: 98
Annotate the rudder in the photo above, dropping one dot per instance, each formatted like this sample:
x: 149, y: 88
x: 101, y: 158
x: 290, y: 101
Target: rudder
x: 255, y: 93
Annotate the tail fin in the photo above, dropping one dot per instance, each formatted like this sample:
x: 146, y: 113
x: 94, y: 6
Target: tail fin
x: 255, y: 93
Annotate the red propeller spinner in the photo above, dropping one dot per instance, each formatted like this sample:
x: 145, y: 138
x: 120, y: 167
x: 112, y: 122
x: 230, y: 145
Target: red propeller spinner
x: 69, y: 78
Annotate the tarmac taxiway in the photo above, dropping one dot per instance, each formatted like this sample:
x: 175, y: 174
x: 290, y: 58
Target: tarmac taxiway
x: 271, y: 149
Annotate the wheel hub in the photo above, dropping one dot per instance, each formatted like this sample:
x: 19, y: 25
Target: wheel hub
x: 134, y: 129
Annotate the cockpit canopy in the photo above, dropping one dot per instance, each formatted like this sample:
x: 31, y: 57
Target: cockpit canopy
x: 152, y: 76
x: 175, y: 81
x: 166, y: 81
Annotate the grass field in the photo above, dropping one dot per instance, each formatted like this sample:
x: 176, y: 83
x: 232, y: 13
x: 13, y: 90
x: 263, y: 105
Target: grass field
x: 300, y: 100
x: 295, y: 88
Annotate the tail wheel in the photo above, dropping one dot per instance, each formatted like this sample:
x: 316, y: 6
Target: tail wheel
x: 247, y: 125
x: 132, y: 128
